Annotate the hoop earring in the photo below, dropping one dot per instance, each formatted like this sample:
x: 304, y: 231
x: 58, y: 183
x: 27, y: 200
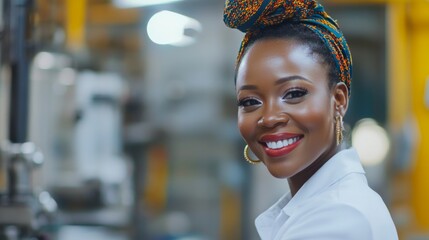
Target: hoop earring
x: 248, y: 159
x: 339, y: 129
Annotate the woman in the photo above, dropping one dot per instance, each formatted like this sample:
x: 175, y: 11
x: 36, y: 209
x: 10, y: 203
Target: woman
x: 293, y: 80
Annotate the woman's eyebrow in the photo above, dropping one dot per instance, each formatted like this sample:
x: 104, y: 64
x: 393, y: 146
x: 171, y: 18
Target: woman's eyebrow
x: 290, y: 78
x: 277, y: 82
x: 248, y: 87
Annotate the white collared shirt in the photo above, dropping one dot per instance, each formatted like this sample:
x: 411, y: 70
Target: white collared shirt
x: 336, y: 203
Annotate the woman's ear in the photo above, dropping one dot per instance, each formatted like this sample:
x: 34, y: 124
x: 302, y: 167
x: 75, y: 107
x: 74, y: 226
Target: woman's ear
x: 341, y: 96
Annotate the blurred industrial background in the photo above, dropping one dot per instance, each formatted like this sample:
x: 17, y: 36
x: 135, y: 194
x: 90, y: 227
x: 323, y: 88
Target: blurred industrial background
x: 118, y: 118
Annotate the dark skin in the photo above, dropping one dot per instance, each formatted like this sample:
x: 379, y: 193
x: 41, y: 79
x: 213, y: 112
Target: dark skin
x: 287, y: 110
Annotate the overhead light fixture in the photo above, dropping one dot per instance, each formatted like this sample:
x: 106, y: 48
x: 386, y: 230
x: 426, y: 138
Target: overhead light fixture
x: 140, y: 3
x: 166, y: 27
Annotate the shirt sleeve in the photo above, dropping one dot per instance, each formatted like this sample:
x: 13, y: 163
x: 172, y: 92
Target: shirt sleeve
x: 332, y: 222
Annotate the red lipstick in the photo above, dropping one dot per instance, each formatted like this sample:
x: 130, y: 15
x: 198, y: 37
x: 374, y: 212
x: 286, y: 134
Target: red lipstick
x: 285, y: 149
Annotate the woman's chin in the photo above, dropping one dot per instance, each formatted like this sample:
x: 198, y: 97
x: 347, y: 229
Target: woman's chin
x: 277, y: 173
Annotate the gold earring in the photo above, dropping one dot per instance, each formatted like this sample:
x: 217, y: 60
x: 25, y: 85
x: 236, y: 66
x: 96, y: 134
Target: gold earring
x: 246, y: 156
x: 339, y: 129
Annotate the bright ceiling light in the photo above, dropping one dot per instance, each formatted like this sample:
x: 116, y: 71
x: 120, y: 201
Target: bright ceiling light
x: 370, y: 141
x: 168, y: 27
x: 140, y: 3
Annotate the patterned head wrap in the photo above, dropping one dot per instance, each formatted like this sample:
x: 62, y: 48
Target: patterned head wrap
x: 250, y: 16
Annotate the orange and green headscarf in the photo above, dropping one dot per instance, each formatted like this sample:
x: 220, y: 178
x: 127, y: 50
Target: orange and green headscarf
x: 250, y: 16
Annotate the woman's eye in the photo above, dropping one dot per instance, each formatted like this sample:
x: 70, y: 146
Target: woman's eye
x: 295, y: 93
x: 247, y: 102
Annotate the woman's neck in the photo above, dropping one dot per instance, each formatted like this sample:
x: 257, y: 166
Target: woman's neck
x: 298, y: 180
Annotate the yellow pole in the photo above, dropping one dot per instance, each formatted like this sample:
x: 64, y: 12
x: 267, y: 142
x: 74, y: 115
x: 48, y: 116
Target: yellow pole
x: 419, y: 35
x: 75, y: 23
x: 156, y: 189
x: 399, y: 103
x: 230, y: 214
x: 408, y: 54
x: 398, y: 68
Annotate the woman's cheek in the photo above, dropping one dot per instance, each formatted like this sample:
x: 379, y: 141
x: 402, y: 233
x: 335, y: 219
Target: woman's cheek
x: 311, y: 116
x: 247, y: 125
x: 242, y: 125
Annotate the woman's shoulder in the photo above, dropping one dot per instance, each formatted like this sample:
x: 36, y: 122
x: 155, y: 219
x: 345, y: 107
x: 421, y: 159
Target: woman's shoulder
x: 338, y: 220
x: 352, y: 213
x: 354, y: 192
x: 329, y: 220
x: 352, y: 195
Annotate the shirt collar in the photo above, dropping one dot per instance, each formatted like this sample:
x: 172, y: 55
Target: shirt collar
x: 341, y: 164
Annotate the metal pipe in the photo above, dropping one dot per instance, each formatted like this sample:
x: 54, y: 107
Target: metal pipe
x: 18, y: 121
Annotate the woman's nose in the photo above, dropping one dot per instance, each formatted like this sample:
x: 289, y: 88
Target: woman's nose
x: 272, y: 117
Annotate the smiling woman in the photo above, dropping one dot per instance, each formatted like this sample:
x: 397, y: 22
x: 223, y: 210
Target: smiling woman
x: 286, y: 108
x: 293, y: 80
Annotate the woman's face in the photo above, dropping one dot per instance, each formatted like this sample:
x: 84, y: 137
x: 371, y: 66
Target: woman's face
x: 286, y: 110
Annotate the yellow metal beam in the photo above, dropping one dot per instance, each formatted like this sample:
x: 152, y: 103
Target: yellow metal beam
x: 231, y: 206
x: 419, y: 13
x: 156, y: 182
x: 419, y: 36
x: 398, y: 67
x: 399, y: 95
x: 75, y: 23
x: 408, y: 53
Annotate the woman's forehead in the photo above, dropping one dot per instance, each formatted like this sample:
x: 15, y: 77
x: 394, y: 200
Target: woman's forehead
x: 278, y: 57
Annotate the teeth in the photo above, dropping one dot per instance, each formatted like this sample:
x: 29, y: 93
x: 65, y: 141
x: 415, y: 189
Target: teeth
x: 280, y: 144
x: 285, y: 143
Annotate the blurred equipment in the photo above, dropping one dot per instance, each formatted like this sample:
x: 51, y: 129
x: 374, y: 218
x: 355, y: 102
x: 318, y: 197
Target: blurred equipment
x: 19, y: 208
x: 18, y: 205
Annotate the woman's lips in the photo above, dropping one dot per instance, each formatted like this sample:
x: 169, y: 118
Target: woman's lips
x: 277, y: 145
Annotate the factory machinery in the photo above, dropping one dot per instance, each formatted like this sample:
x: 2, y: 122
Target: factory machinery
x: 22, y: 212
